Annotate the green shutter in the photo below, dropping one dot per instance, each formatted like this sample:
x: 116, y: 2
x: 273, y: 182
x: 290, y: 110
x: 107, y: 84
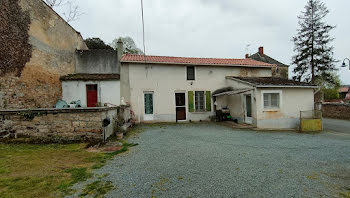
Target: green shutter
x: 208, y: 100
x: 190, y: 101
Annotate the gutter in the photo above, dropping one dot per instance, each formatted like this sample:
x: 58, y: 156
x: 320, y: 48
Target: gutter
x: 285, y: 86
x: 271, y: 86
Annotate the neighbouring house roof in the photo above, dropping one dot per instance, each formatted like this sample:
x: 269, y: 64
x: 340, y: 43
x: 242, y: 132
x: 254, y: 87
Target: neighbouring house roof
x: 132, y: 58
x: 343, y: 89
x: 87, y: 77
x: 347, y: 96
x: 267, y: 59
x: 272, y: 82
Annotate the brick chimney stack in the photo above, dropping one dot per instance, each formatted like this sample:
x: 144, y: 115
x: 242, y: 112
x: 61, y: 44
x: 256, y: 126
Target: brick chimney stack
x: 246, y: 55
x: 261, y: 51
x: 120, y: 54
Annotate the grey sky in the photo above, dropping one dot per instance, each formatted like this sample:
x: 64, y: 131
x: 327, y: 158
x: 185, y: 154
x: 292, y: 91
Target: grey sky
x: 211, y: 28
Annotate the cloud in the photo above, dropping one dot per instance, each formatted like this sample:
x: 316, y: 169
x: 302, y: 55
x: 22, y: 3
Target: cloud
x: 210, y: 28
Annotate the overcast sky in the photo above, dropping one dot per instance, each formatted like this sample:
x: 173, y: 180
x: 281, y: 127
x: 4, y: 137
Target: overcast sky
x: 211, y: 28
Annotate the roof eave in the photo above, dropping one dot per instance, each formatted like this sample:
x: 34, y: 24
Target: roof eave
x: 241, y: 81
x: 167, y: 63
x: 273, y: 86
x: 287, y: 86
x: 107, y: 79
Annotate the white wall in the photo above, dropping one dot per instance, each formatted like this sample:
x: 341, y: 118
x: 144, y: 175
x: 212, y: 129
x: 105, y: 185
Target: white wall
x: 108, y: 91
x: 293, y: 100
x: 165, y: 80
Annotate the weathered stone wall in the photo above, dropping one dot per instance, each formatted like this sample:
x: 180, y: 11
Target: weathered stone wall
x: 336, y: 110
x: 96, y: 61
x: 282, y: 72
x: 59, y: 124
x: 54, y: 43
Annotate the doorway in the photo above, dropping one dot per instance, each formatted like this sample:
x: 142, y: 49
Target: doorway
x: 180, y: 103
x: 91, y: 95
x: 148, y: 106
x: 248, y: 109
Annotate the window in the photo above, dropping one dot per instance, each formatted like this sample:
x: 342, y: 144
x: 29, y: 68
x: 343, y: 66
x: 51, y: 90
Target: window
x: 190, y: 73
x: 271, y: 100
x: 199, y: 101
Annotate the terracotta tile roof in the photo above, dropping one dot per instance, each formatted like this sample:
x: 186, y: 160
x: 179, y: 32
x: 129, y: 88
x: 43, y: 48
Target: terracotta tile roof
x: 272, y: 81
x: 132, y: 58
x: 87, y: 77
x: 343, y: 89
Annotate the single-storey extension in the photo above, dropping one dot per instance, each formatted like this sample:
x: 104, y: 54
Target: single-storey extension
x: 92, y: 90
x: 266, y: 102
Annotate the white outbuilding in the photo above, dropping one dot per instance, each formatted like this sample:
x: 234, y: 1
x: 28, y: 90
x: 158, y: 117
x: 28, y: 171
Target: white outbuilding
x: 92, y: 90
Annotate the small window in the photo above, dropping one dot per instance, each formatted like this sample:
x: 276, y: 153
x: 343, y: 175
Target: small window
x: 199, y: 101
x: 190, y: 73
x: 271, y: 100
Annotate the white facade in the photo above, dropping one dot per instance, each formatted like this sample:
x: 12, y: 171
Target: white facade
x: 108, y: 91
x: 164, y: 80
x: 292, y: 101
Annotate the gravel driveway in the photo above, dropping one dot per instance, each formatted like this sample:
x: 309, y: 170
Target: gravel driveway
x: 209, y: 160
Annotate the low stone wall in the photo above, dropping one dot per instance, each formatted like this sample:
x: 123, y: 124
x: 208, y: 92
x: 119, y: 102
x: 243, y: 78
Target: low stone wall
x: 81, y: 124
x: 336, y: 110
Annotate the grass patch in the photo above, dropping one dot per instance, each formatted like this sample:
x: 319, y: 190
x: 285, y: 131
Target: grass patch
x: 97, y: 189
x: 101, y: 160
x: 345, y: 194
x: 46, y: 170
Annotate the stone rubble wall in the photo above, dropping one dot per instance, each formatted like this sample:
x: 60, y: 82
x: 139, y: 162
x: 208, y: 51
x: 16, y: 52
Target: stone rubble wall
x: 336, y: 111
x: 54, y: 43
x: 82, y: 124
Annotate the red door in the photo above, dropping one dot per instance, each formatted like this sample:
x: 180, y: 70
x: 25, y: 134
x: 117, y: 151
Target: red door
x: 91, y: 95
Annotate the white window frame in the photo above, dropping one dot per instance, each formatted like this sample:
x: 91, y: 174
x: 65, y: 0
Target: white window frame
x: 205, y: 102
x: 272, y: 92
x: 195, y: 72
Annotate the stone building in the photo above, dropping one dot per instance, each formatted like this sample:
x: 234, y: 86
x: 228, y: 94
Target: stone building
x: 280, y: 71
x: 54, y: 43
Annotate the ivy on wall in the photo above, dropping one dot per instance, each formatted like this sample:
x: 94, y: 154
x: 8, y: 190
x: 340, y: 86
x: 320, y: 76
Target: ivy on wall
x: 15, y: 50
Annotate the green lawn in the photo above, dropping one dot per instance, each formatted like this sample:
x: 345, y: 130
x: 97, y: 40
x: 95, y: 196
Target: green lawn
x: 46, y: 170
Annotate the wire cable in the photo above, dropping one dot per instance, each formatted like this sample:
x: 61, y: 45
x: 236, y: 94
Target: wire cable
x: 143, y: 32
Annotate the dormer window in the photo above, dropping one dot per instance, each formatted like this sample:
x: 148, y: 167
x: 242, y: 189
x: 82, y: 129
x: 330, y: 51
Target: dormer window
x: 190, y: 73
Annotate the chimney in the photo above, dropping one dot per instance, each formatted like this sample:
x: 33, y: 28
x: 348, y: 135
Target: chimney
x: 119, y: 54
x: 246, y: 55
x: 261, y: 51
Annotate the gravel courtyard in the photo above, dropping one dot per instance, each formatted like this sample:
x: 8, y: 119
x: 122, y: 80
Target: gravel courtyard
x: 210, y: 160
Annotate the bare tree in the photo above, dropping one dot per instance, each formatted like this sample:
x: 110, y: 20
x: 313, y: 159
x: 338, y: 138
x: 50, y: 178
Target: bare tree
x: 54, y: 3
x: 71, y: 11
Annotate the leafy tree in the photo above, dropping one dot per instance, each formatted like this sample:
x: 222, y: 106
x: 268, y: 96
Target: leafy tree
x: 334, y: 83
x: 128, y: 45
x: 96, y: 43
x: 314, y: 55
x: 330, y: 89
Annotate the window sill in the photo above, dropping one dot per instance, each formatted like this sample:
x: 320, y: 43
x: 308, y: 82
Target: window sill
x: 271, y: 110
x: 200, y: 112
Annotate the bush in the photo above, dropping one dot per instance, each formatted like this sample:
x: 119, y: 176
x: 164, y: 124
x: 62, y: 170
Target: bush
x: 330, y: 94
